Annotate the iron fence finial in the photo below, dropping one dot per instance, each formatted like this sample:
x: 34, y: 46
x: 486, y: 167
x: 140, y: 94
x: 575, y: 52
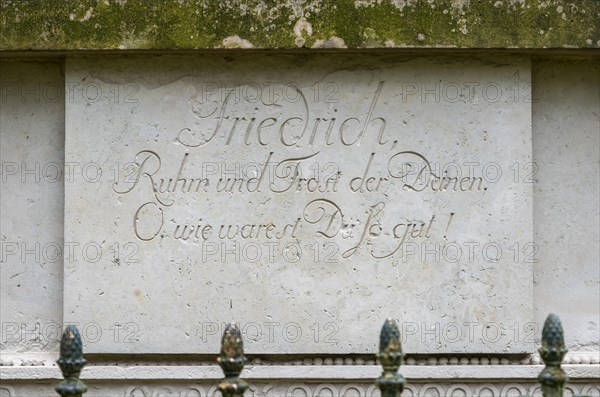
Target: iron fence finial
x: 71, y: 362
x: 232, y: 361
x: 390, y: 355
x: 553, y: 350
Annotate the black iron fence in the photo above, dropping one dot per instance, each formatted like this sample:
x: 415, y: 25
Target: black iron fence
x: 390, y: 383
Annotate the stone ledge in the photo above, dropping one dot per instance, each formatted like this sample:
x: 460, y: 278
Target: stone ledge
x: 48, y: 359
x: 63, y: 25
x: 280, y: 372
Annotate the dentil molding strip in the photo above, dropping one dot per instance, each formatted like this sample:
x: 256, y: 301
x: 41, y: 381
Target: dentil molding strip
x: 329, y: 372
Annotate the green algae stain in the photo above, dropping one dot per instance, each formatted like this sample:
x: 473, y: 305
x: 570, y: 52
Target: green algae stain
x: 198, y: 24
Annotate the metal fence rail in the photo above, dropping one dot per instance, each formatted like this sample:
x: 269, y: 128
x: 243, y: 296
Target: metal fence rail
x: 391, y: 383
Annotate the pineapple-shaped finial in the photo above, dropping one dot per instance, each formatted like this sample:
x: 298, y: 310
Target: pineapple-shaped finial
x: 71, y: 362
x: 391, y: 383
x: 232, y: 362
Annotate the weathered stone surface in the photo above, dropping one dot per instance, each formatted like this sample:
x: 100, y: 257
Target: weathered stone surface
x: 566, y: 125
x: 32, y: 200
x: 565, y: 135
x: 267, y: 24
x: 306, y: 198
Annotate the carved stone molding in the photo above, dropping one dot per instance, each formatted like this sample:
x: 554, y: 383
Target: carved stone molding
x: 48, y: 359
x: 302, y: 389
x: 367, y: 373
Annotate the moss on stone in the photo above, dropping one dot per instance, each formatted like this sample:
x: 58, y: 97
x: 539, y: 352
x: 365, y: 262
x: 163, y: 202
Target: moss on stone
x: 203, y: 24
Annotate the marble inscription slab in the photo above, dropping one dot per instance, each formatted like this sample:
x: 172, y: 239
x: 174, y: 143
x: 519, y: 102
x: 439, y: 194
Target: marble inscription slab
x: 306, y: 198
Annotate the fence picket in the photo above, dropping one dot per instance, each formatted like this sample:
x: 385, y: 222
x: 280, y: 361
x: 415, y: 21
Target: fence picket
x: 390, y: 355
x: 232, y: 361
x: 71, y: 362
x: 553, y: 350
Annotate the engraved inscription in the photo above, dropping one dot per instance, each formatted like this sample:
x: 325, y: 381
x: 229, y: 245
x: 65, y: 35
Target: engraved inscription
x: 312, y: 174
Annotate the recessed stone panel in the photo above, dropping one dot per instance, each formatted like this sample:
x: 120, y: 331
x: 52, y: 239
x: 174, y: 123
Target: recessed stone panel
x: 306, y: 198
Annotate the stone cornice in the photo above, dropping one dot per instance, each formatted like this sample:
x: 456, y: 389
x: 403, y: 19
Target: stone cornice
x: 98, y: 25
